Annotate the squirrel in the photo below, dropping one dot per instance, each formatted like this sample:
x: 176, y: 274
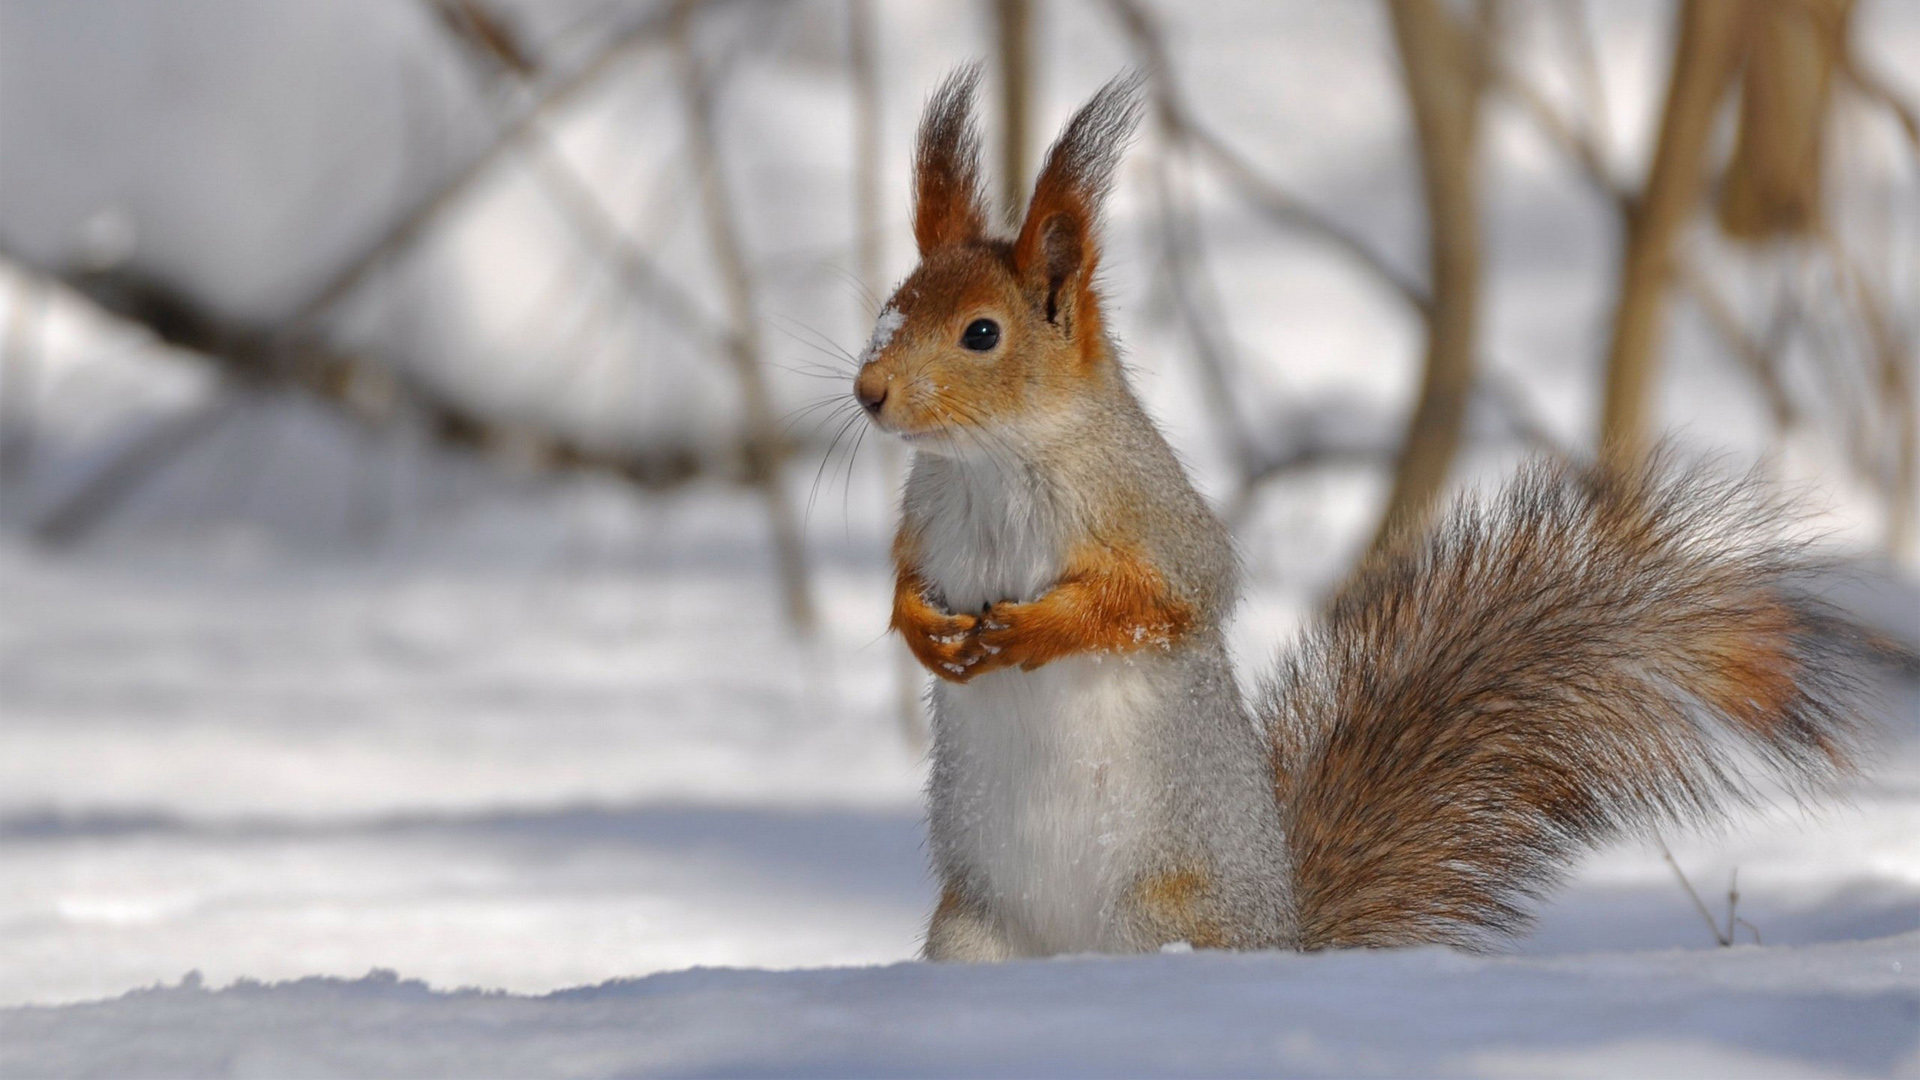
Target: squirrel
x: 1592, y: 653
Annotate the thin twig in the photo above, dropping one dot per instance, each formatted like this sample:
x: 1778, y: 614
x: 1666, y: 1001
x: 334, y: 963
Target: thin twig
x: 1276, y: 202
x: 1180, y: 257
x: 416, y: 222
x: 1506, y: 397
x: 144, y: 457
x: 863, y: 70
x: 571, y: 194
x: 1576, y: 27
x: 1896, y: 385
x: 23, y: 342
x: 1875, y: 89
x: 1759, y: 360
x: 1300, y: 459
x: 1699, y: 905
x: 760, y: 442
x: 1574, y: 141
x: 1290, y: 210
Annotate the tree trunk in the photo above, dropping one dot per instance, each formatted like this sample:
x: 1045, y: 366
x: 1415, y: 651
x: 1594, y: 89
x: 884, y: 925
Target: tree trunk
x: 1013, y: 27
x: 1703, y: 64
x: 760, y: 441
x: 1443, y: 83
x: 1773, y: 181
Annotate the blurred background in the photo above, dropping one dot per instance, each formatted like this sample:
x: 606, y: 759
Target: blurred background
x: 431, y: 535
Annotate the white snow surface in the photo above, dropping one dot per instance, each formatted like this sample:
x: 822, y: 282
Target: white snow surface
x: 551, y: 741
x: 280, y: 773
x: 1844, y: 1009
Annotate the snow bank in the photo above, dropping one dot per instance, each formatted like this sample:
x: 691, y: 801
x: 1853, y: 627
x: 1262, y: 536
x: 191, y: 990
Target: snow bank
x: 1834, y: 1009
x: 530, y: 739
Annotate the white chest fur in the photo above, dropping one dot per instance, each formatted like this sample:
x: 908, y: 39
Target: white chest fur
x: 1044, y: 792
x: 989, y: 534
x: 1038, y: 780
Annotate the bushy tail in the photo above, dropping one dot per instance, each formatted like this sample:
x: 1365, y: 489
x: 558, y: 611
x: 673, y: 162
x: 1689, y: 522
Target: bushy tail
x: 1586, y: 655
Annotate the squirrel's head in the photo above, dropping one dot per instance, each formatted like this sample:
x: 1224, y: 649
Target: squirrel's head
x: 986, y: 332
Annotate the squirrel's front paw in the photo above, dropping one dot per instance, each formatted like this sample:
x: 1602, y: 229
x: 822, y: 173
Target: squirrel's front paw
x: 1005, y: 639
x: 944, y: 644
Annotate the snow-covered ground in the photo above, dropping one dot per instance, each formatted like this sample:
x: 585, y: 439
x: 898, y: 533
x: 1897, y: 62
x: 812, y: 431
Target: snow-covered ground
x: 1837, y: 1010
x: 529, y: 779
x: 315, y: 706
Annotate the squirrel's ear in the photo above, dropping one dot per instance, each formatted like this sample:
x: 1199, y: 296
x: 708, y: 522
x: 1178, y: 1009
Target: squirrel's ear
x: 947, y: 207
x: 1058, y: 251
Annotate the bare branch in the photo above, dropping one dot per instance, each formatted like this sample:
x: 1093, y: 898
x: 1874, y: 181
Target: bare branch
x: 1291, y: 211
x: 1181, y: 259
x: 1300, y: 459
x: 1521, y: 419
x: 1584, y: 58
x: 865, y: 74
x: 1771, y: 185
x: 1893, y: 362
x: 148, y: 454
x: 484, y: 30
x: 415, y: 223
x: 23, y: 342
x: 1871, y: 86
x: 863, y: 70
x: 761, y: 439
x: 1759, y: 361
x: 1444, y: 74
x: 1013, y: 31
x: 1703, y: 65
x: 1276, y: 202
x: 579, y: 205
x: 1580, y: 143
x: 248, y: 358
x: 1184, y: 264
x: 1576, y: 142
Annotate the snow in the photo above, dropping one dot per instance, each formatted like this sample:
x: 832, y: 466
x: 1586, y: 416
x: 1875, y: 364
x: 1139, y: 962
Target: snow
x: 536, y: 779
x: 889, y: 322
x: 1844, y: 1009
x: 316, y: 705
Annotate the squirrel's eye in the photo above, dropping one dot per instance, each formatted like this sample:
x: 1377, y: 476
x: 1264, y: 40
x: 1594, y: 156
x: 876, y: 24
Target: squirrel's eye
x: 981, y: 335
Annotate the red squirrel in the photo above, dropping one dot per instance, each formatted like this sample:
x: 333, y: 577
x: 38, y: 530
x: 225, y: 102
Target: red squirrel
x: 1595, y: 652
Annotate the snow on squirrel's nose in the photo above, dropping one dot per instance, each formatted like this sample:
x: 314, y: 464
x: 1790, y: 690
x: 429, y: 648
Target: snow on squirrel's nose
x: 890, y: 321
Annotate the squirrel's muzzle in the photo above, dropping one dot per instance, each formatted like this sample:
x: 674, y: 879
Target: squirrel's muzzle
x: 870, y: 389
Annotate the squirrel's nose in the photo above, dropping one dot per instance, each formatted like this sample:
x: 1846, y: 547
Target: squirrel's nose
x: 870, y: 389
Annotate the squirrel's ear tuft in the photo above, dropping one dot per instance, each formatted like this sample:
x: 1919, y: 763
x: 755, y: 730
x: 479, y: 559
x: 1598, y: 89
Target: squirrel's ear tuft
x: 1057, y: 251
x: 947, y: 205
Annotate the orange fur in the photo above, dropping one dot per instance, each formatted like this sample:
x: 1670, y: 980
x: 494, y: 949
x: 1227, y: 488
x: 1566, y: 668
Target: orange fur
x: 1174, y: 902
x: 1057, y: 253
x: 1110, y: 599
x: 1752, y: 677
x: 952, y: 903
x: 1039, y: 288
x: 933, y: 386
x: 944, y: 643
x: 947, y: 208
x: 1536, y: 677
